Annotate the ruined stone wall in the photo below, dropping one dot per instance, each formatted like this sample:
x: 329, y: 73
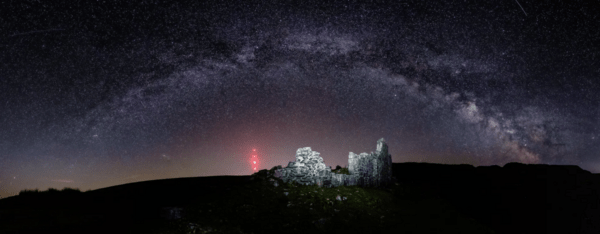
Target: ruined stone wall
x: 374, y: 169
x: 307, y: 169
x: 366, y: 170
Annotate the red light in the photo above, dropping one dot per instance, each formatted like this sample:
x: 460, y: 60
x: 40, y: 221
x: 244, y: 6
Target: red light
x: 254, y: 160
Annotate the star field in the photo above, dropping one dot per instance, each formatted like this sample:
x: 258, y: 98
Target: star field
x: 104, y: 93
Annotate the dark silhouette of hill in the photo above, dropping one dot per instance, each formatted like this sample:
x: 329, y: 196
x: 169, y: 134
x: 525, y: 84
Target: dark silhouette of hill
x: 126, y: 205
x: 516, y: 198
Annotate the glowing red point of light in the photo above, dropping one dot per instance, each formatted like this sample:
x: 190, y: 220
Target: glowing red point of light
x: 254, y: 160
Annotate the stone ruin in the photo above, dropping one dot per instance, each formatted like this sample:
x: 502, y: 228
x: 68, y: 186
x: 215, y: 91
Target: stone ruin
x: 366, y: 170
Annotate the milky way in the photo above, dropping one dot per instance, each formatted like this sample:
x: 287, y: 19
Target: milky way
x: 107, y: 93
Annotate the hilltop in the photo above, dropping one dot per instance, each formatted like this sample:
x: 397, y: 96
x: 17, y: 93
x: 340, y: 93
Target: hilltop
x: 426, y: 198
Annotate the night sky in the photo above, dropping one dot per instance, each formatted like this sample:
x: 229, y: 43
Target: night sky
x: 101, y: 93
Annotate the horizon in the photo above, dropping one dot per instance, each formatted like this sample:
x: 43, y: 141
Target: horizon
x: 98, y: 94
x: 88, y: 190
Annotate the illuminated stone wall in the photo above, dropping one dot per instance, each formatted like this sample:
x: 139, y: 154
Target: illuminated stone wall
x: 366, y: 170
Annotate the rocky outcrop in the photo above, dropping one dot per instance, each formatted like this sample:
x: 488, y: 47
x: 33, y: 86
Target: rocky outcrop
x: 366, y: 170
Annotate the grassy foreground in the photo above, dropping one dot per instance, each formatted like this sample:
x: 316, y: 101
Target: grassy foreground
x: 261, y: 207
x: 255, y: 206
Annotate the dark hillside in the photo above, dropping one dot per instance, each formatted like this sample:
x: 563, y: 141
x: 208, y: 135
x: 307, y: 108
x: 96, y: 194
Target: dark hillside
x: 127, y: 205
x: 516, y: 198
x: 168, y: 192
x: 428, y: 197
